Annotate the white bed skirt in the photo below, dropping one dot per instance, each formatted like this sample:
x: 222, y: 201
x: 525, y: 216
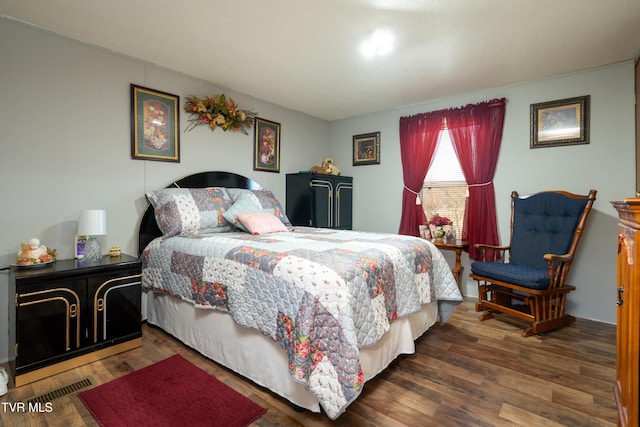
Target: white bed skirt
x: 257, y: 357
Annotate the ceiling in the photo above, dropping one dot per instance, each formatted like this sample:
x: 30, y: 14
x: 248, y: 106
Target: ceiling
x: 305, y: 54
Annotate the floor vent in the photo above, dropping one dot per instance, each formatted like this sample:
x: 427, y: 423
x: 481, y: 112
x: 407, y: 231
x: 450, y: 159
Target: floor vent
x: 61, y: 391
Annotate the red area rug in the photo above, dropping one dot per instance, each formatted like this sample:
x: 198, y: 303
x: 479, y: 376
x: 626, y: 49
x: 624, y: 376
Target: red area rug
x: 172, y: 392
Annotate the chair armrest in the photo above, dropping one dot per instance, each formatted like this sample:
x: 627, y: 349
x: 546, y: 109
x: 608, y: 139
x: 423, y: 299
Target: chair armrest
x: 500, y: 249
x: 497, y: 247
x: 558, y: 268
x: 557, y: 258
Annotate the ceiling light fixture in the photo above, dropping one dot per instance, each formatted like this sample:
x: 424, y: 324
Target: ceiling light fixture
x: 380, y: 42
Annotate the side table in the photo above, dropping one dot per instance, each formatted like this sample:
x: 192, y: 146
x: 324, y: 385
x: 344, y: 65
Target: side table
x: 70, y: 313
x: 457, y: 247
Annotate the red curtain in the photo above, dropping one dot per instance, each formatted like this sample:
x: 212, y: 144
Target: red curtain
x: 476, y: 134
x: 418, y: 141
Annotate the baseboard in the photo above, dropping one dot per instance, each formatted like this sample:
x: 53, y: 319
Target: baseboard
x: 65, y: 365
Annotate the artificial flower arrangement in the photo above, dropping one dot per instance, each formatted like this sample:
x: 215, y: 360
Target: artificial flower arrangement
x: 437, y: 224
x: 218, y: 111
x: 439, y: 221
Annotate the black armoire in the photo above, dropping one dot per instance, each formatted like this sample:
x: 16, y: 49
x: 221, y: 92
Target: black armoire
x: 318, y: 200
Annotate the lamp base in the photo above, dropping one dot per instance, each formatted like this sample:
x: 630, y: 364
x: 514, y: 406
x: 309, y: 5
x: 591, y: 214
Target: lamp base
x: 92, y: 250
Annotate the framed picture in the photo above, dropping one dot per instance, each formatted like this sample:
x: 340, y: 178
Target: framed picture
x: 424, y: 232
x: 366, y: 149
x: 155, y: 121
x: 266, y: 147
x: 561, y: 122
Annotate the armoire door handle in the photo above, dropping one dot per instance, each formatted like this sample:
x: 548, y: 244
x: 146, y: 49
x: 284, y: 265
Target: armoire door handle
x: 620, y: 292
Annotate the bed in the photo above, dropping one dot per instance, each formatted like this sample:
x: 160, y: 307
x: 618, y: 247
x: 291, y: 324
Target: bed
x: 311, y: 314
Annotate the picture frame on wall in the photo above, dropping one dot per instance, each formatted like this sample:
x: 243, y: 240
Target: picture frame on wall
x: 155, y: 122
x: 266, y: 147
x: 366, y: 149
x: 560, y: 122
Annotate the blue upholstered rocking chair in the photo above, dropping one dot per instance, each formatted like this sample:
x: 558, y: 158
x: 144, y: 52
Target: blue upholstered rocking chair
x: 526, y: 285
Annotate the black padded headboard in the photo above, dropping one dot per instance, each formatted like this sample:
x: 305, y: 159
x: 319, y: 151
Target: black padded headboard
x: 149, y: 228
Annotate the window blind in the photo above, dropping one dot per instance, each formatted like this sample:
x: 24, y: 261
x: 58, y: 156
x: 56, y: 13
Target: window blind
x: 445, y: 168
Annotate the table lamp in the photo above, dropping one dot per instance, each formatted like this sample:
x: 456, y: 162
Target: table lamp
x: 91, y: 223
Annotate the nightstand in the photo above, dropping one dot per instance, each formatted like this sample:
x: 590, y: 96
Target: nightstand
x: 457, y: 247
x: 70, y: 313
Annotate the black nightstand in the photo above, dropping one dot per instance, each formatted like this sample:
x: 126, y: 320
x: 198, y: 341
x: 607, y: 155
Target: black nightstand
x: 70, y: 313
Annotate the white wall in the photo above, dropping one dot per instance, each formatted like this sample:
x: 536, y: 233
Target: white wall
x: 606, y: 164
x: 65, y: 137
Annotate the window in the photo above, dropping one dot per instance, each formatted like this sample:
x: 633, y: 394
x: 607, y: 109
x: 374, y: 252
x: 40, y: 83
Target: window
x: 445, y: 190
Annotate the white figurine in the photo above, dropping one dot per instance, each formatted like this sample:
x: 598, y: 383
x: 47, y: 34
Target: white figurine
x: 31, y: 252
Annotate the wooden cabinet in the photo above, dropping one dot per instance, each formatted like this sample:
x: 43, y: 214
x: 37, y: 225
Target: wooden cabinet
x: 637, y: 73
x: 627, y: 386
x: 70, y: 313
x: 318, y: 200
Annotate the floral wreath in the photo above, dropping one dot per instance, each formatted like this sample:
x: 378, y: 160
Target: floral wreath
x: 218, y: 111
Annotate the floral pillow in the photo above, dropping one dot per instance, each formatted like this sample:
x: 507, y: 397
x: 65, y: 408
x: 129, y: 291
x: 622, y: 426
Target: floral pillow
x: 244, y: 203
x: 261, y: 222
x: 266, y: 199
x: 189, y: 211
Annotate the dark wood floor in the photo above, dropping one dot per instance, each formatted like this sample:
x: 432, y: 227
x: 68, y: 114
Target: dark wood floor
x: 465, y: 373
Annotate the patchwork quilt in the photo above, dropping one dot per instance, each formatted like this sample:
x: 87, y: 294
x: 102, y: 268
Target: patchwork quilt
x: 321, y: 294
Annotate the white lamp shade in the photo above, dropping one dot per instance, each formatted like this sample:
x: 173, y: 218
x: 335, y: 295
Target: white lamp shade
x: 92, y: 222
